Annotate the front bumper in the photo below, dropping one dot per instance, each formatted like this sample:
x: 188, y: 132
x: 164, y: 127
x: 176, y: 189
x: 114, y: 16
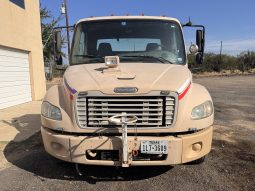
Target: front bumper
x: 72, y: 148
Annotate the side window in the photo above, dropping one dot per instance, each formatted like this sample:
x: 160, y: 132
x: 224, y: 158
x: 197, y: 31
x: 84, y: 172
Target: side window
x: 78, y: 45
x: 81, y: 45
x: 79, y: 42
x: 173, y: 43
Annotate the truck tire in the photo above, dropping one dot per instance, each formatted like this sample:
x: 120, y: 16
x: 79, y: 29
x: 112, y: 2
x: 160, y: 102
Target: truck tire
x: 198, y: 161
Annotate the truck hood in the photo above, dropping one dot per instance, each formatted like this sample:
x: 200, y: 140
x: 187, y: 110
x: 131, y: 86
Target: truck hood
x: 145, y: 77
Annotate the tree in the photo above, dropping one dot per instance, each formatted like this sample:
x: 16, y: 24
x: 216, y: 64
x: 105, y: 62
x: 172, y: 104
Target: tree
x: 48, y: 23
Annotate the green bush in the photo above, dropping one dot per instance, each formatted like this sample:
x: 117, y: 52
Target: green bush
x: 214, y: 62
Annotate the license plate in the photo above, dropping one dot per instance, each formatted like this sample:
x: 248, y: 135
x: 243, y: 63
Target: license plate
x: 154, y: 147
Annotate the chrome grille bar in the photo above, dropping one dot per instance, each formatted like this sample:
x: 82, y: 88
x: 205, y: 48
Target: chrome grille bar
x: 169, y: 110
x: 148, y: 111
x: 151, y: 111
x: 81, y: 111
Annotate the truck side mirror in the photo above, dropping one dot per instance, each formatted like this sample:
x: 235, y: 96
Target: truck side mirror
x: 59, y: 59
x: 198, y: 48
x: 193, y: 49
x: 57, y: 46
x: 200, y: 40
x: 200, y: 44
x: 57, y: 41
x: 199, y: 58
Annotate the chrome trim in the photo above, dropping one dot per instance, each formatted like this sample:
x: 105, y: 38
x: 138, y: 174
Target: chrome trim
x: 170, y: 109
x: 125, y: 90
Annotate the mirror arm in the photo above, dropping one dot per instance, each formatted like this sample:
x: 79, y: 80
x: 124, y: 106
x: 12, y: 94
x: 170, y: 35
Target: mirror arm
x: 189, y: 24
x: 196, y: 26
x: 64, y: 27
x: 57, y: 52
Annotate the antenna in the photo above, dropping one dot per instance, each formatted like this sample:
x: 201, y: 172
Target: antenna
x: 189, y: 23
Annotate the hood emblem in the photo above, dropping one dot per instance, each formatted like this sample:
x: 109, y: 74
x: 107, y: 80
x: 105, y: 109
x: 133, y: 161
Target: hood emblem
x: 125, y: 90
x: 125, y: 77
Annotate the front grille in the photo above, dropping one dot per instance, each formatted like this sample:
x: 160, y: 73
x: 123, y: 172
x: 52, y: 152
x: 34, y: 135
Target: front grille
x: 153, y: 111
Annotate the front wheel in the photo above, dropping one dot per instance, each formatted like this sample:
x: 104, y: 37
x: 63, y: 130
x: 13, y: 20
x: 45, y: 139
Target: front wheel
x: 198, y: 161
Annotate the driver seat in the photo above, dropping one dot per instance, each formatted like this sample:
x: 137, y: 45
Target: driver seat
x: 152, y: 47
x: 104, y: 49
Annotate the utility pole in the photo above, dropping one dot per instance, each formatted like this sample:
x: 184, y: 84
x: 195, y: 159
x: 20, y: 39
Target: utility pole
x: 67, y: 29
x: 220, y: 54
x: 220, y: 49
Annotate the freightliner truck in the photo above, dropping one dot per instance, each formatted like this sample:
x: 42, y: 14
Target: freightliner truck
x: 128, y: 98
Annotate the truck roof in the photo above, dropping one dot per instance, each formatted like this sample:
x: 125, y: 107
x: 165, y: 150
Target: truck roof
x: 128, y: 18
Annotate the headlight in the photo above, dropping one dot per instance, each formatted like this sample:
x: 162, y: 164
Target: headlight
x: 51, y: 111
x: 202, y: 111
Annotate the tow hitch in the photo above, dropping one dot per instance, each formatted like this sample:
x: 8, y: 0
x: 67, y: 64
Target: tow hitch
x: 123, y: 120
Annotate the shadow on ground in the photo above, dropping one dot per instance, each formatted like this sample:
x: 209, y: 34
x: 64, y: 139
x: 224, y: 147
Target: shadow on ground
x: 29, y: 155
x: 26, y: 125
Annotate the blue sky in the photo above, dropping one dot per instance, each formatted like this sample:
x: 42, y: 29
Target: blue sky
x: 229, y: 21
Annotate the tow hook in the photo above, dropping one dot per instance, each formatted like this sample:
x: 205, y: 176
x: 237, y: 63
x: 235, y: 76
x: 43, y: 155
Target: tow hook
x: 134, y: 153
x: 124, y: 119
x: 92, y: 154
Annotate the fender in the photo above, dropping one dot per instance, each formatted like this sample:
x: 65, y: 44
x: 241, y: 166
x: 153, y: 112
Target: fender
x: 195, y: 96
x: 56, y: 97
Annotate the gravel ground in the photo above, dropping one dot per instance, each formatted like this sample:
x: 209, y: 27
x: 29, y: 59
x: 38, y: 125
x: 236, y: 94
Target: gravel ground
x: 229, y: 166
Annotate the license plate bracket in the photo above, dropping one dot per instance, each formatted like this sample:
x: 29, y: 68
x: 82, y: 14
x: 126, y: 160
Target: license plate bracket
x: 154, y: 147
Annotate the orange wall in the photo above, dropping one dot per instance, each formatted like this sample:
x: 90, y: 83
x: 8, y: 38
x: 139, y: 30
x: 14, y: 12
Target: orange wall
x: 21, y: 29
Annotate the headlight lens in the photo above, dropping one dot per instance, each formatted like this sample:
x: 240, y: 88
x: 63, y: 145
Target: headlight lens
x: 51, y: 111
x: 202, y: 111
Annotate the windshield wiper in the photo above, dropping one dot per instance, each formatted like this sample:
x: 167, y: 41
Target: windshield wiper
x: 91, y: 58
x: 88, y: 56
x: 160, y: 59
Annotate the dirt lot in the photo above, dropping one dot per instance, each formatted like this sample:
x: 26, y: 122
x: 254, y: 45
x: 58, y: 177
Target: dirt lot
x: 229, y: 166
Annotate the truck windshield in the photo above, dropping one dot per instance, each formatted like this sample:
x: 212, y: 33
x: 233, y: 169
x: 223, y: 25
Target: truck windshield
x: 132, y: 40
